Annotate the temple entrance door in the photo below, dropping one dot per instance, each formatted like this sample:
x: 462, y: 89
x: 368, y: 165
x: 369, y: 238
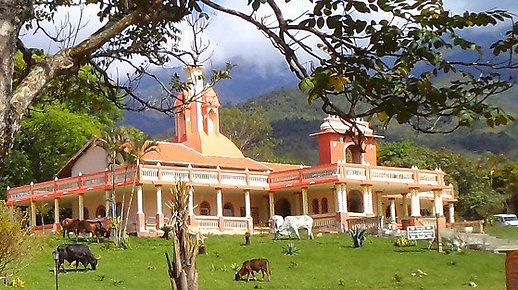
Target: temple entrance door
x: 283, y: 207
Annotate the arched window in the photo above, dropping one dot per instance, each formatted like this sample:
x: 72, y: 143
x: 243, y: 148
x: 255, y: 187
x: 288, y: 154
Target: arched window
x: 228, y: 209
x: 204, y: 208
x: 315, y: 206
x: 85, y: 213
x: 354, y: 201
x: 324, y: 205
x: 101, y: 211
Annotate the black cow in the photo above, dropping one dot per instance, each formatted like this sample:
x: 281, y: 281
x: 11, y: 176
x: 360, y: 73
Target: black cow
x: 80, y: 253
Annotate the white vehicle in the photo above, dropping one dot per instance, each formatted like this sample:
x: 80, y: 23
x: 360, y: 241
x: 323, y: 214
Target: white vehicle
x: 505, y: 219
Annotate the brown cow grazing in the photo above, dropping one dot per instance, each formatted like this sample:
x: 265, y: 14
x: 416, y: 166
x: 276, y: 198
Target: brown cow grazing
x: 251, y: 266
x: 85, y: 226
x: 69, y: 225
x: 106, y: 223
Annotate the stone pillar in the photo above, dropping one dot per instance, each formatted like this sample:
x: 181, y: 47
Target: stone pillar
x: 392, y: 211
x: 437, y: 202
x: 81, y: 208
x: 248, y: 215
x: 159, y: 213
x: 141, y: 218
x: 247, y: 204
x: 57, y: 225
x: 271, y: 203
x: 219, y: 207
x: 190, y: 200
x: 297, y: 203
x: 304, y: 201
x: 33, y: 213
x: 344, y: 198
x: 415, y: 203
x: 338, y: 198
x: 451, y: 213
x: 107, y: 202
x: 367, y: 199
x: 405, y: 204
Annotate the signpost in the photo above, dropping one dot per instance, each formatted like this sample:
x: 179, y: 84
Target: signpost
x: 420, y: 232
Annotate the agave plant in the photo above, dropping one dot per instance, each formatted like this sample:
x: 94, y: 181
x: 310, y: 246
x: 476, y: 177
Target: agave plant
x: 290, y: 249
x: 358, y: 235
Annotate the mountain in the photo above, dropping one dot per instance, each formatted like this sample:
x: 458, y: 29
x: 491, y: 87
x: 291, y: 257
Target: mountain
x: 248, y: 80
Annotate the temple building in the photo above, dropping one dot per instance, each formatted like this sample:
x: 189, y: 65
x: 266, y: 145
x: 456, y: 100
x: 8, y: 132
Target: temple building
x: 233, y: 194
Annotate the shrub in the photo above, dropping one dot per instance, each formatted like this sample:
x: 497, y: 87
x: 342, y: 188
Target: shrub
x: 398, y: 277
x: 14, y: 241
x: 358, y: 235
x: 166, y: 230
x: 290, y: 249
x: 402, y: 242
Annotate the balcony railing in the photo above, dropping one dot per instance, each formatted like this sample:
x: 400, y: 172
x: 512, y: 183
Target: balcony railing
x: 71, y: 184
x: 204, y: 176
x: 348, y: 171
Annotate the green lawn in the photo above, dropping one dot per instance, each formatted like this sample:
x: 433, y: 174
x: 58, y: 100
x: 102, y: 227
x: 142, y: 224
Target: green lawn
x: 320, y: 264
x: 502, y: 232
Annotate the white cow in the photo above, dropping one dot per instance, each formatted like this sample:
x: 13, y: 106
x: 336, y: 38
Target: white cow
x: 292, y: 224
x: 275, y: 223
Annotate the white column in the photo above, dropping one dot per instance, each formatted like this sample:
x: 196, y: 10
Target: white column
x: 393, y: 210
x: 56, y: 210
x: 338, y: 198
x: 219, y: 202
x: 415, y: 203
x: 304, y: 201
x: 159, y: 200
x: 367, y: 199
x: 247, y: 203
x: 139, y: 200
x: 371, y: 201
x: 271, y: 203
x: 437, y: 200
x: 451, y: 213
x: 81, y: 207
x: 191, y: 201
x: 405, y: 204
x: 344, y: 198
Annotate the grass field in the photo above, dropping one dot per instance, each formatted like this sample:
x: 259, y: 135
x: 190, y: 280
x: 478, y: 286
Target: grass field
x: 322, y: 263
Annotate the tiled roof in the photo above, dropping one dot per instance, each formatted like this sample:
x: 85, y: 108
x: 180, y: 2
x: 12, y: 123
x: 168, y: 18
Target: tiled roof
x: 181, y: 154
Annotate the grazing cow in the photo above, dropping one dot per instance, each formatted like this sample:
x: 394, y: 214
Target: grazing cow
x: 251, y: 266
x: 69, y: 225
x: 80, y: 253
x: 292, y: 224
x: 275, y: 223
x: 95, y: 228
x: 106, y: 223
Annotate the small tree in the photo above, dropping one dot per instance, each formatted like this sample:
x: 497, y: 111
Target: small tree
x: 43, y: 209
x: 14, y: 244
x: 182, y: 268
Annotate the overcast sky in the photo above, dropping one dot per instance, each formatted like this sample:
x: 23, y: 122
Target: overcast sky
x: 231, y: 37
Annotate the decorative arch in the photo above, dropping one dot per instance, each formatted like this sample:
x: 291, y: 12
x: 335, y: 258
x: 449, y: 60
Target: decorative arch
x: 325, y: 208
x: 354, y: 201
x: 283, y: 207
x: 100, y: 211
x: 315, y: 207
x: 86, y: 214
x: 204, y: 208
x: 228, y: 209
x: 211, y: 121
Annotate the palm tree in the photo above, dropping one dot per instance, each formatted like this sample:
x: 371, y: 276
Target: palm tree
x: 43, y: 209
x: 114, y: 141
x: 135, y: 150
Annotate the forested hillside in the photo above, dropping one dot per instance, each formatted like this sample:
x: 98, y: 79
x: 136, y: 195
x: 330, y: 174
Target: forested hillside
x: 293, y: 120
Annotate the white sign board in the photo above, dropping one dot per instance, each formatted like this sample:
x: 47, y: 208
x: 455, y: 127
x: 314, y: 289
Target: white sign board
x: 420, y: 232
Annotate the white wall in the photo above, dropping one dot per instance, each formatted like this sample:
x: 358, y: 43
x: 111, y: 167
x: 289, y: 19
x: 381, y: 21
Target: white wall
x: 93, y: 160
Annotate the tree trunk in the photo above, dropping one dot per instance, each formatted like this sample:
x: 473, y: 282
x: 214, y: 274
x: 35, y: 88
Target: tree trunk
x: 13, y: 14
